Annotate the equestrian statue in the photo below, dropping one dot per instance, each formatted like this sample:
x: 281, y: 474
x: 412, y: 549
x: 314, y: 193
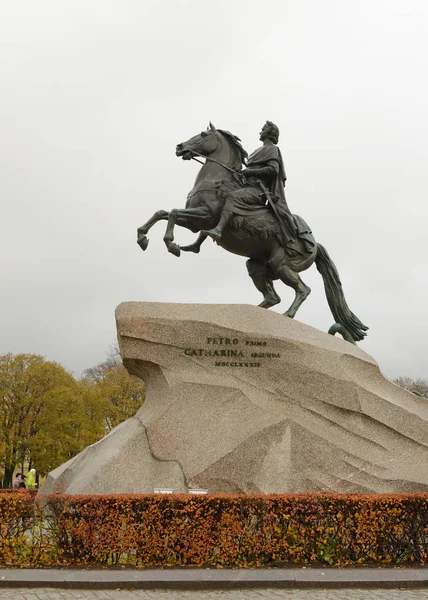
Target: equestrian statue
x: 245, y: 212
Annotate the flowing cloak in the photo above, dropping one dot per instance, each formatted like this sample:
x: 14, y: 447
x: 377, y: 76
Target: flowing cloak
x: 249, y: 199
x: 269, y: 155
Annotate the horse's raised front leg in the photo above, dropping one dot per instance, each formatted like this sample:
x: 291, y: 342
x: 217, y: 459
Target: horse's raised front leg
x: 142, y: 240
x: 181, y: 216
x: 196, y: 246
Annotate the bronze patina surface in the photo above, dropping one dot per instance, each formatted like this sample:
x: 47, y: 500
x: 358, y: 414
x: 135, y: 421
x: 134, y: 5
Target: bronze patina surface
x: 245, y: 212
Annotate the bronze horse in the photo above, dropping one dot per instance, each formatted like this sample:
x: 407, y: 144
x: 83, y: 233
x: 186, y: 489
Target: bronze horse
x: 256, y: 236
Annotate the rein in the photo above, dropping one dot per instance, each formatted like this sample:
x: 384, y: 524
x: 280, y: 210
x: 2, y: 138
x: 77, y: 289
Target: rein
x: 216, y: 161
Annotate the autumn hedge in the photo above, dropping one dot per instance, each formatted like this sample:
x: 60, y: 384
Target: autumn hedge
x: 213, y: 530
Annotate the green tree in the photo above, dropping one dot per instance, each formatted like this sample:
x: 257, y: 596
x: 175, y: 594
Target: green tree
x: 30, y: 387
x: 48, y: 416
x: 120, y: 394
x: 72, y: 418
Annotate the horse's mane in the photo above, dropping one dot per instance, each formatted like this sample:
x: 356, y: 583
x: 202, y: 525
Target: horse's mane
x: 235, y: 141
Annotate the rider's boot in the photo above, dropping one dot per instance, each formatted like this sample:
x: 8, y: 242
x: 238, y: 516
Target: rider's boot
x: 217, y: 232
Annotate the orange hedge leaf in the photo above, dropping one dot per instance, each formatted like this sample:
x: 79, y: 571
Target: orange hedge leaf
x: 213, y: 530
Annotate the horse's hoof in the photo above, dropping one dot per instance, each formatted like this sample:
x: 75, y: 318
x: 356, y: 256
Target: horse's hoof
x: 143, y: 242
x: 174, y: 249
x: 269, y: 302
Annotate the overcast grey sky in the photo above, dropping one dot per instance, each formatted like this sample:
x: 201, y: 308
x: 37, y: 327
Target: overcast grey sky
x: 94, y: 97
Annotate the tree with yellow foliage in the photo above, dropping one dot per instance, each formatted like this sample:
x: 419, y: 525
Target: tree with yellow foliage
x: 121, y: 394
x: 48, y: 416
x: 35, y: 396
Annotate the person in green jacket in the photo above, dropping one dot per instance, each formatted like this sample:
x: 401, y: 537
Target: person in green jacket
x: 31, y: 479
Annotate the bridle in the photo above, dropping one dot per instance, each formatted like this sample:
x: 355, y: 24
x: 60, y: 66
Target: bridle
x: 212, y: 160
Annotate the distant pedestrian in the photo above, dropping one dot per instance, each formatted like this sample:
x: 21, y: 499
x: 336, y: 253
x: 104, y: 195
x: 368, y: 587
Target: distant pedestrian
x: 31, y: 479
x: 17, y: 481
x: 22, y: 482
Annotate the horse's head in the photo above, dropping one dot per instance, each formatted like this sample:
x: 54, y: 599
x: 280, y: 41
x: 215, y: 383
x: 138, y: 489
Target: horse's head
x: 205, y: 143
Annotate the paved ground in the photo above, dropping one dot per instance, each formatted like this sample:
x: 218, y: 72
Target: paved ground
x: 248, y: 594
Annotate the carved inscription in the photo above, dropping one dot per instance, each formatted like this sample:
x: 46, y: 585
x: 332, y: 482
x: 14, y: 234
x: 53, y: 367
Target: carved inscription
x: 246, y: 351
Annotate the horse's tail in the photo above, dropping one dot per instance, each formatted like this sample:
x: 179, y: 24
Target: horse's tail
x: 335, y: 296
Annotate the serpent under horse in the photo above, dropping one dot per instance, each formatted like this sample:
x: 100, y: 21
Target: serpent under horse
x: 256, y: 236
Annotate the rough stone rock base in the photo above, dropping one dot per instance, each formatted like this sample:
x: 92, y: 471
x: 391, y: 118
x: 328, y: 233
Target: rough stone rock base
x: 241, y: 399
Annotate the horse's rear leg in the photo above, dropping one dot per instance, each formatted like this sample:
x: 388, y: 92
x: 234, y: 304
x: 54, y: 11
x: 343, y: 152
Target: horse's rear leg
x: 142, y: 240
x: 260, y: 273
x: 278, y: 264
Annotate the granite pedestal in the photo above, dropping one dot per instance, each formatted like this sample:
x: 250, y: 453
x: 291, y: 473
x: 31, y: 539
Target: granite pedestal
x: 242, y: 399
